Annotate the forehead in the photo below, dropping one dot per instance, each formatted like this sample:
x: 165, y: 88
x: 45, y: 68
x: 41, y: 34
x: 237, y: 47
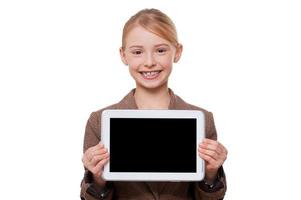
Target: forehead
x: 142, y: 37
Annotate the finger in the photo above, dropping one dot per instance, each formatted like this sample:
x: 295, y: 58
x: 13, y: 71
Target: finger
x: 95, y: 160
x: 100, y: 151
x: 224, y: 149
x: 97, y: 170
x: 210, y: 153
x: 87, y: 158
x: 207, y: 158
x: 89, y: 152
x: 98, y: 146
x: 211, y: 147
x: 95, y: 152
x: 92, y: 164
x: 211, y: 144
x: 218, y: 157
x: 102, y: 163
x: 98, y: 158
x: 223, y: 156
x: 210, y: 163
x: 209, y: 141
x: 219, y: 145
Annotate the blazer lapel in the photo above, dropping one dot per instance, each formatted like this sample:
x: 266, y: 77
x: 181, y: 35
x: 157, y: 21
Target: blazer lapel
x: 128, y: 102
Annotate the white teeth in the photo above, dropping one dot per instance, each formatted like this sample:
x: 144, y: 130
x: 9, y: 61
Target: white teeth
x: 148, y: 74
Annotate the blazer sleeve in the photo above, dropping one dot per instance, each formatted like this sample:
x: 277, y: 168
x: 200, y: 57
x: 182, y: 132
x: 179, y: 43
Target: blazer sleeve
x: 202, y: 193
x: 89, y: 190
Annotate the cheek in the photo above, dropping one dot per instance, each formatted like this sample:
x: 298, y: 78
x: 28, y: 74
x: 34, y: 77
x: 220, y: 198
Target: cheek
x: 166, y: 62
x: 134, y: 66
x: 133, y: 72
x: 134, y: 63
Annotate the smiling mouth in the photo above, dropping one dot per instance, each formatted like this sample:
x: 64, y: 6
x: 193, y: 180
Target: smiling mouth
x: 150, y: 74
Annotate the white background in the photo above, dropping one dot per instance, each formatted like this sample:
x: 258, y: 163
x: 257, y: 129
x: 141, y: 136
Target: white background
x: 59, y: 62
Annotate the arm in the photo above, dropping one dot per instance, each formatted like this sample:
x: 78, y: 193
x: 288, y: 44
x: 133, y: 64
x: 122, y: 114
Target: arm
x: 213, y: 187
x: 95, y: 156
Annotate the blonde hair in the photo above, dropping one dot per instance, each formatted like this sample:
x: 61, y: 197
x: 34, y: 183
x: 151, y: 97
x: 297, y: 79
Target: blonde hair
x: 154, y: 21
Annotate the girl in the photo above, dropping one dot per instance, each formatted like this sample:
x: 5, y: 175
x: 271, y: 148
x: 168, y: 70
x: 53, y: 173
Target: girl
x: 149, y: 48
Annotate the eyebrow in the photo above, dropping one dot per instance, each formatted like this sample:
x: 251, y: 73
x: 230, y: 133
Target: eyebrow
x: 163, y: 44
x: 140, y: 46
x: 135, y: 46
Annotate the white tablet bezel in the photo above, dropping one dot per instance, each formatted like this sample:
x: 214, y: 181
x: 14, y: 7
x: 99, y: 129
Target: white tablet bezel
x: 150, y: 176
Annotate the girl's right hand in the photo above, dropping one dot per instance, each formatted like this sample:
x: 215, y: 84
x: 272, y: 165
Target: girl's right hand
x: 94, y: 160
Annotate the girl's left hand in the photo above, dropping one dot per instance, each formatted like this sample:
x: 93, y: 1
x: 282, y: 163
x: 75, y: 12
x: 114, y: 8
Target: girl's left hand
x: 214, y: 154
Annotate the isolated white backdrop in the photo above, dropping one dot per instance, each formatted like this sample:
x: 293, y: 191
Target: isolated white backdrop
x: 59, y: 62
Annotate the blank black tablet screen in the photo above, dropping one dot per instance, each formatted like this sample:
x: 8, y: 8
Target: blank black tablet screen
x: 153, y: 145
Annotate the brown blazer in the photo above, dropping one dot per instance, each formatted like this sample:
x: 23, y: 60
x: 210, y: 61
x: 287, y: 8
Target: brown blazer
x: 151, y: 190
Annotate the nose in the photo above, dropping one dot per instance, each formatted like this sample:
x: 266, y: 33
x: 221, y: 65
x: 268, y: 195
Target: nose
x: 149, y: 60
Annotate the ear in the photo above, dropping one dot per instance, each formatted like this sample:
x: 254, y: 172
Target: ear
x: 122, y: 56
x: 179, y: 50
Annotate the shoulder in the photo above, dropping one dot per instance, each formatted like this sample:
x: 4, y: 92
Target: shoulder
x: 182, y: 104
x: 96, y: 115
x: 127, y: 102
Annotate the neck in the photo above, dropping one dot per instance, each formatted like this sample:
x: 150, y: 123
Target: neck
x: 157, y: 98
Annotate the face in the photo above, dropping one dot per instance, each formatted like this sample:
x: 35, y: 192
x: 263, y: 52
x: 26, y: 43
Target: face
x: 149, y: 58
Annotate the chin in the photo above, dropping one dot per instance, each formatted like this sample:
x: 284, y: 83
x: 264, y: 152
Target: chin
x: 151, y: 86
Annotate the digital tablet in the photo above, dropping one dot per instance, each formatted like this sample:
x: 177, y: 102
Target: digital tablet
x: 153, y: 145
